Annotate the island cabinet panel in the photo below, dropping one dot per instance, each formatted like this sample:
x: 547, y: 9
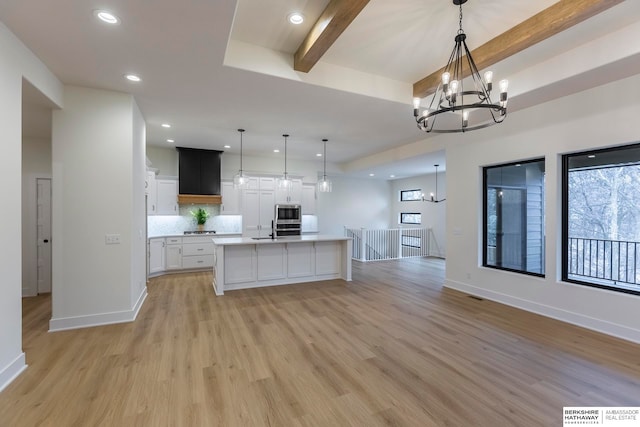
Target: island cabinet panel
x: 328, y: 258
x: 301, y: 260
x: 240, y: 264
x: 272, y: 262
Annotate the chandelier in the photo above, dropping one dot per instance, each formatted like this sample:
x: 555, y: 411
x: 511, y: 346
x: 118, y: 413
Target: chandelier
x: 453, y: 106
x: 433, y: 198
x: 240, y: 180
x: 324, y: 185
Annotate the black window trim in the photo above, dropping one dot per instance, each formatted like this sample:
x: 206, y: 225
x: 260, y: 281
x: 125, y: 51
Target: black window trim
x: 565, y: 220
x: 410, y: 191
x: 411, y: 213
x: 485, y: 218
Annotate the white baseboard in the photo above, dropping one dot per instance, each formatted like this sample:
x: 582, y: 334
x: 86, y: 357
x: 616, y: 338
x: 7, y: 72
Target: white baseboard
x: 609, y: 328
x: 12, y: 370
x: 101, y: 319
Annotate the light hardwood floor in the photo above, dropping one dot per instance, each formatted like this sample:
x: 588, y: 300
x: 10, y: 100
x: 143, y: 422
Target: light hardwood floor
x: 390, y: 348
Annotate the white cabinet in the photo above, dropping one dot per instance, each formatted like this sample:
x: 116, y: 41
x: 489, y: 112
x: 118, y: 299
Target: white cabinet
x: 167, y: 196
x: 173, y: 253
x: 328, y: 258
x: 258, y: 207
x: 230, y: 199
x: 239, y: 264
x: 272, y: 261
x: 292, y: 195
x: 151, y: 192
x: 308, y: 199
x: 156, y: 255
x: 197, y: 252
x: 301, y: 260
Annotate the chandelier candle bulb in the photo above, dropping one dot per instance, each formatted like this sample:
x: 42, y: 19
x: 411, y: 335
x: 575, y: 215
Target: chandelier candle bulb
x: 416, y: 107
x: 465, y: 118
x: 488, y: 78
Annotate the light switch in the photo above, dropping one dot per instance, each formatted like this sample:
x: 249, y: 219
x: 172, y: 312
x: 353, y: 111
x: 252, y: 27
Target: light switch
x: 112, y: 239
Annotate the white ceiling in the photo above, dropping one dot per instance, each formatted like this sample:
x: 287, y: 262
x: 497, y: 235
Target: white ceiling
x: 180, y: 49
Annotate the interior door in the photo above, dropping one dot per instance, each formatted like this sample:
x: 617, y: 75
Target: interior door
x: 44, y: 234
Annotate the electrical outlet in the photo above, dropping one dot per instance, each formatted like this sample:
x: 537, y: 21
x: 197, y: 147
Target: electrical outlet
x: 112, y: 239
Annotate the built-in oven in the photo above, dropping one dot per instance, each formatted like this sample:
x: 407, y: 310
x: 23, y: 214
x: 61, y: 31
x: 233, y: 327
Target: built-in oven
x: 287, y: 221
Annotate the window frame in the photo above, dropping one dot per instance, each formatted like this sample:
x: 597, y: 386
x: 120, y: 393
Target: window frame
x: 564, y: 271
x: 402, y: 192
x: 485, y: 218
x: 410, y: 213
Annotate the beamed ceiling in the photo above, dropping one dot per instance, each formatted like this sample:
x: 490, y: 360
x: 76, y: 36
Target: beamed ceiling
x: 348, y: 73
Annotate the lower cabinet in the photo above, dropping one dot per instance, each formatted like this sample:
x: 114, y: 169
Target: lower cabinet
x: 180, y: 253
x: 281, y: 263
x: 156, y: 255
x: 197, y: 252
x: 173, y: 257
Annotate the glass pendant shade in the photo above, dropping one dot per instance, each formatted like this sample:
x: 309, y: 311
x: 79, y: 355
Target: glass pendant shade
x: 324, y: 185
x: 240, y: 180
x: 284, y: 182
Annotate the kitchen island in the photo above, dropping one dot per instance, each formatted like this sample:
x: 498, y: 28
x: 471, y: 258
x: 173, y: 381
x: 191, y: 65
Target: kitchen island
x: 244, y: 262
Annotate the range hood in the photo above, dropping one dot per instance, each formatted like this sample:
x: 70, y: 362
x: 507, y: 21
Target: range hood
x: 199, y: 176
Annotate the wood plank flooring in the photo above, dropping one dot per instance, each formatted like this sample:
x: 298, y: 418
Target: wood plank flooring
x: 391, y: 348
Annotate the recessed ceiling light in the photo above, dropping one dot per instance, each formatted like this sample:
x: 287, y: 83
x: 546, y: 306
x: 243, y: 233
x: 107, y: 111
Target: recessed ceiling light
x: 392, y: 176
x: 295, y: 18
x: 170, y: 140
x: 132, y: 78
x: 372, y: 174
x: 227, y: 146
x: 166, y: 125
x: 591, y: 156
x: 318, y: 154
x: 518, y: 165
x: 106, y: 16
x: 276, y: 151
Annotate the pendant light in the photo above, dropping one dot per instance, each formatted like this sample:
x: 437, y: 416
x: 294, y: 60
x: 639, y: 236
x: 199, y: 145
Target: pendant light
x: 433, y: 198
x: 285, y: 182
x: 240, y: 180
x: 324, y: 185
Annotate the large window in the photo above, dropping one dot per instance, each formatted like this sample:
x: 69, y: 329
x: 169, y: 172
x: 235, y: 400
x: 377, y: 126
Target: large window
x: 601, y: 218
x: 410, y: 218
x: 513, y: 230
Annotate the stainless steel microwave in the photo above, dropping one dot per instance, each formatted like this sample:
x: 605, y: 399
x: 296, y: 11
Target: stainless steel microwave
x: 287, y: 214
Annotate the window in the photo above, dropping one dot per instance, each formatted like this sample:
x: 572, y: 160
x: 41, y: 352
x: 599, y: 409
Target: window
x: 600, y: 218
x: 513, y: 217
x: 410, y: 195
x: 410, y: 218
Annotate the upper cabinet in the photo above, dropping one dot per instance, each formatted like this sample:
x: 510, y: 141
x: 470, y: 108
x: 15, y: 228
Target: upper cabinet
x: 309, y: 199
x: 150, y: 190
x: 292, y: 195
x: 199, y: 171
x: 167, y: 197
x: 231, y: 197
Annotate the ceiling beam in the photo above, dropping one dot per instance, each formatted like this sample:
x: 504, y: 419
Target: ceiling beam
x: 551, y: 21
x: 335, y: 18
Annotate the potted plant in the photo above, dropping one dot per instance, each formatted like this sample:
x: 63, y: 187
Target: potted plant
x: 201, y: 216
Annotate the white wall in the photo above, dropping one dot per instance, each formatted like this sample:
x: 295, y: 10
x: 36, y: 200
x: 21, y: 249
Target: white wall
x: 596, y: 118
x: 18, y: 62
x: 36, y: 163
x: 98, y: 189
x: 433, y: 214
x: 355, y: 203
x: 163, y: 159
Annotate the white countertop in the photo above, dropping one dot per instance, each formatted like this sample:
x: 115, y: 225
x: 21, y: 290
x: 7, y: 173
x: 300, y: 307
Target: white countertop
x: 225, y: 241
